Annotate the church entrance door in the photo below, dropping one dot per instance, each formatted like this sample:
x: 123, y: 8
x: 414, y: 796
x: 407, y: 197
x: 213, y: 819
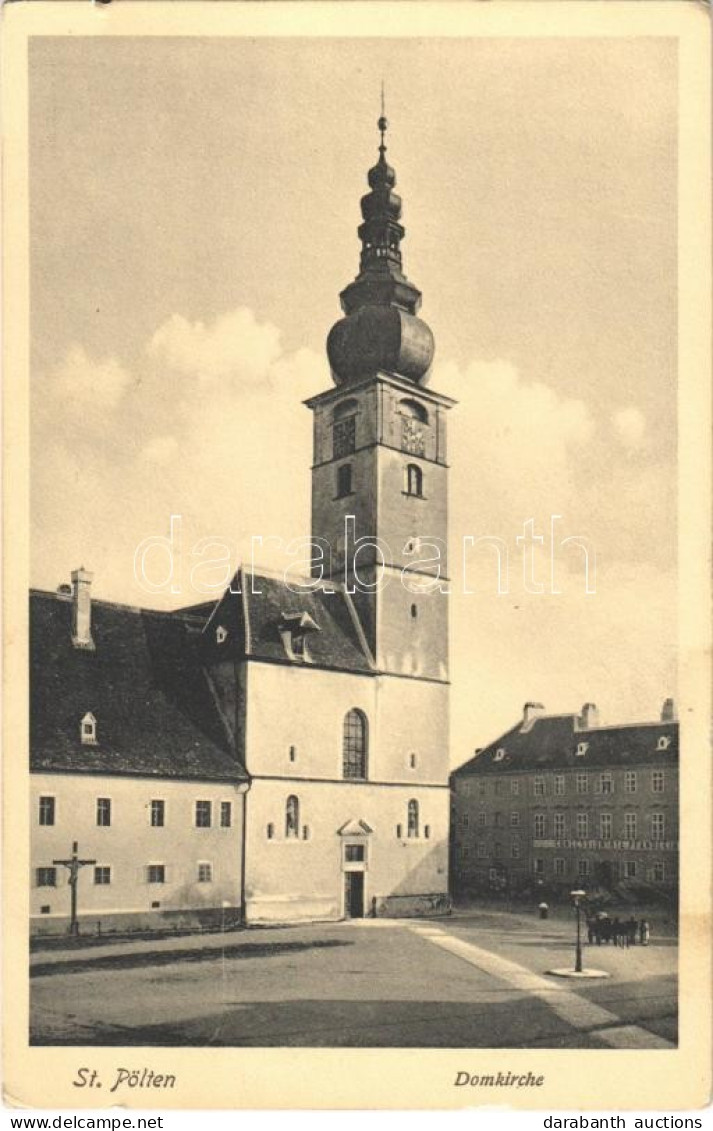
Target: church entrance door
x: 354, y: 895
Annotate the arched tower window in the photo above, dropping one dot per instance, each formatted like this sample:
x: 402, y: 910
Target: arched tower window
x: 355, y: 745
x: 413, y: 409
x: 413, y: 818
x: 413, y: 480
x: 344, y: 428
x: 292, y: 817
x: 344, y: 480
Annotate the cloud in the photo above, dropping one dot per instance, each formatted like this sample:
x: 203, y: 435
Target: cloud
x: 234, y: 346
x: 83, y: 380
x: 630, y: 427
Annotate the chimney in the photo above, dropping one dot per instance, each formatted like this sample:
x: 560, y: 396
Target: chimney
x: 530, y: 712
x: 82, y: 608
x: 589, y: 717
x: 668, y: 711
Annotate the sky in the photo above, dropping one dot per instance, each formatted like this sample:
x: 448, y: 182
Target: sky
x: 194, y: 205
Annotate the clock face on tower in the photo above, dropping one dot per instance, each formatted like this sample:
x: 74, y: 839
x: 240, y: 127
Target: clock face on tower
x: 412, y: 438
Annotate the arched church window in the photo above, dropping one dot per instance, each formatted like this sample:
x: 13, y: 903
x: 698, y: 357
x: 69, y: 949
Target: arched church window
x: 413, y: 480
x: 413, y: 409
x: 344, y: 480
x: 292, y: 817
x: 413, y: 818
x: 355, y: 742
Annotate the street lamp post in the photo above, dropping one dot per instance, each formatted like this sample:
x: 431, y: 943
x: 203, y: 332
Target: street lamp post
x: 577, y: 896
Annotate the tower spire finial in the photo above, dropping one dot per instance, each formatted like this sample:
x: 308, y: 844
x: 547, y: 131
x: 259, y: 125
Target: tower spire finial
x: 383, y: 122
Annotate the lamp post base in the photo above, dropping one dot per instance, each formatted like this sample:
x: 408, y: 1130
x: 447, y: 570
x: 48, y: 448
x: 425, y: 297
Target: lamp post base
x: 567, y: 972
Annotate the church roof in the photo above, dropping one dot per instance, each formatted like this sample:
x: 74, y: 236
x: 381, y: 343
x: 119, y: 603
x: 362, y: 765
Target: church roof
x: 253, y: 620
x: 155, y: 712
x: 551, y: 742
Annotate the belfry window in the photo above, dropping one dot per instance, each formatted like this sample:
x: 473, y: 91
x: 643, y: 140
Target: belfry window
x: 344, y: 429
x: 355, y: 742
x: 292, y: 817
x: 413, y: 818
x: 413, y: 480
x: 344, y: 480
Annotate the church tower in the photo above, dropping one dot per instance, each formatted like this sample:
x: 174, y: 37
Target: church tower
x: 379, y: 475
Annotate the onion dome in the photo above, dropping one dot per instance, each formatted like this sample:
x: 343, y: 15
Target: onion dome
x: 380, y: 330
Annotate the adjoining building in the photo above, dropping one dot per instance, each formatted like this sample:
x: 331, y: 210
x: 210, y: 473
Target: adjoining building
x: 559, y: 802
x: 130, y: 758
x: 282, y: 753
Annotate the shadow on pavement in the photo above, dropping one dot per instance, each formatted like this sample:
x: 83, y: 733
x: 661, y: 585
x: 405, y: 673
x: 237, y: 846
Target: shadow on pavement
x: 133, y: 960
x: 314, y: 1023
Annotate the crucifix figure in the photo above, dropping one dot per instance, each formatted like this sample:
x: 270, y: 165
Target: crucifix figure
x: 73, y: 865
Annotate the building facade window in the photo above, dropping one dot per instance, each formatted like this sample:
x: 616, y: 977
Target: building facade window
x: 499, y: 820
x: 158, y: 813
x: 515, y: 787
x: 605, y: 822
x: 582, y: 783
x: 482, y: 850
x: 629, y: 870
x: 102, y: 875
x: 355, y: 745
x: 582, y: 821
x: 413, y: 480
x: 630, y: 826
x: 606, y: 782
x: 226, y: 814
x: 514, y: 820
x: 658, y: 872
x: 204, y: 814
x: 658, y: 826
x: 538, y: 787
x: 515, y: 848
x: 104, y: 811
x: 539, y: 866
x: 482, y: 819
x: 499, y: 787
x: 582, y: 868
x: 47, y: 810
x: 539, y: 825
x: 630, y: 781
x: 292, y: 817
x: 344, y: 480
x: 558, y: 826
x: 205, y: 873
x: 559, y: 867
x: 156, y: 874
x: 46, y: 877
x: 559, y: 785
x: 657, y: 781
x: 497, y: 850
x: 412, y: 826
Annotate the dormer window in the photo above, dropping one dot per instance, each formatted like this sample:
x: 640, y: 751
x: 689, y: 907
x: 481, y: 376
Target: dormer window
x: 88, y: 730
x: 582, y: 748
x: 295, y: 630
x: 499, y: 754
x: 221, y: 634
x: 663, y: 743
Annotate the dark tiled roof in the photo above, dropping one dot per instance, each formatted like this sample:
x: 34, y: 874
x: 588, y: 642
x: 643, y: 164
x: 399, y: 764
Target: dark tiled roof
x: 551, y: 742
x: 252, y: 618
x: 155, y: 712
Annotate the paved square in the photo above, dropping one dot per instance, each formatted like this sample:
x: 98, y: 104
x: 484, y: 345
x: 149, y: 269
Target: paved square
x: 466, y: 981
